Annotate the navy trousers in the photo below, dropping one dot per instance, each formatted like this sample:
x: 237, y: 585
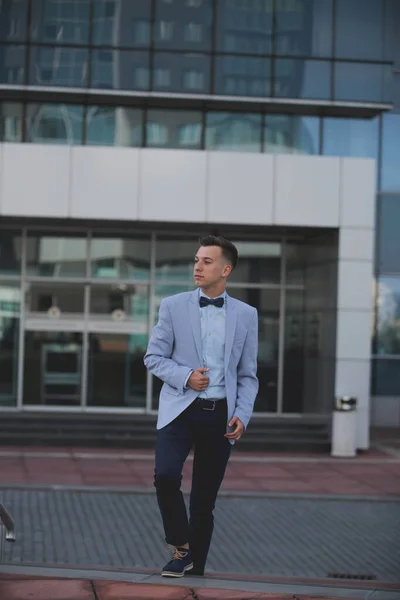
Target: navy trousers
x: 204, y: 431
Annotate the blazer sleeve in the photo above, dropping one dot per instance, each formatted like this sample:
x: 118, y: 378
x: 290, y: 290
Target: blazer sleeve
x: 247, y: 381
x: 158, y: 356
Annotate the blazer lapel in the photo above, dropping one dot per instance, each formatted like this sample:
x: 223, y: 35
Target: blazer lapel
x: 196, y: 326
x: 231, y: 320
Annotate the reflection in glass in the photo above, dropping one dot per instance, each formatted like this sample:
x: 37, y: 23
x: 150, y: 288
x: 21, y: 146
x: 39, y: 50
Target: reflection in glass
x: 244, y: 28
x: 373, y: 39
x: 120, y: 70
x: 13, y: 20
x: 173, y: 129
x: 116, y: 372
x: 121, y: 302
x: 388, y: 236
x: 304, y: 28
x: 296, y: 78
x: 112, y: 126
x: 66, y: 67
x: 51, y: 256
x: 390, y: 170
x: 386, y: 377
x: 60, y: 22
x: 181, y: 73
x: 10, y: 122
x: 52, y: 368
x: 350, y: 137
x: 54, y: 124
x: 55, y: 300
x: 388, y: 318
x: 233, y: 131
x: 363, y: 82
x: 10, y: 252
x: 10, y: 303
x: 241, y: 76
x: 291, y: 134
x: 120, y: 258
x: 259, y: 262
x: 267, y: 304
x: 183, y: 25
x: 175, y: 260
x: 122, y: 23
x: 161, y: 292
x: 294, y: 352
x: 296, y: 261
x: 12, y: 64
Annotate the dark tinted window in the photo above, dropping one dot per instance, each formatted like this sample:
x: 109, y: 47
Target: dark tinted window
x: 388, y: 235
x: 390, y: 174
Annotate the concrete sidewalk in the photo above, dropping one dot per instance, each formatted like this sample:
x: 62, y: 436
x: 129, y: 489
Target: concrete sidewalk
x: 75, y: 585
x: 373, y: 473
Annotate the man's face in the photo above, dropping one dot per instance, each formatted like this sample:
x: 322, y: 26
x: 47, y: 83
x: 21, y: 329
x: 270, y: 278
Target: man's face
x: 210, y: 268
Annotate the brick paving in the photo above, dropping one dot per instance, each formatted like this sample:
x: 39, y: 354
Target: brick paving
x: 376, y: 473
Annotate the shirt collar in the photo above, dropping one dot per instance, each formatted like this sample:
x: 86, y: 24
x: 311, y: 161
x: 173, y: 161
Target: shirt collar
x: 201, y: 293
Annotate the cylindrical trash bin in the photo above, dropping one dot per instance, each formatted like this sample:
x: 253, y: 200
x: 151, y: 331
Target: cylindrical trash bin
x: 344, y: 421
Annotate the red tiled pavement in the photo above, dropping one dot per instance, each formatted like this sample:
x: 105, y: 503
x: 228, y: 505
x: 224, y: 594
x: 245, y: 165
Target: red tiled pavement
x: 127, y: 591
x: 372, y: 473
x: 45, y: 589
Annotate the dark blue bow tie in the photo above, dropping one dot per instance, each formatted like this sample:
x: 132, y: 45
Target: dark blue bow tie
x: 213, y: 301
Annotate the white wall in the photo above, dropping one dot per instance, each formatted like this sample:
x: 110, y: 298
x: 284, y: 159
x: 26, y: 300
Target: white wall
x: 186, y: 186
x: 190, y: 186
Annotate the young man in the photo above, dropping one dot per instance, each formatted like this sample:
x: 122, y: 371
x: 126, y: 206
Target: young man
x: 204, y: 349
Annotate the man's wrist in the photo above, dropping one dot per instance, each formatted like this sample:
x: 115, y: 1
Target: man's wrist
x: 185, y: 385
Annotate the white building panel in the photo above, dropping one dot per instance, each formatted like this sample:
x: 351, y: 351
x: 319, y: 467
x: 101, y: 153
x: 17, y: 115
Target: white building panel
x: 355, y: 285
x: 357, y: 202
x: 356, y: 244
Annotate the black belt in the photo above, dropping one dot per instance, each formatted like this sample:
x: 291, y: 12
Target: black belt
x: 209, y: 403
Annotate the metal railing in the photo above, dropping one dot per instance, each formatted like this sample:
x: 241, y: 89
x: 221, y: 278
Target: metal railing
x: 7, y: 530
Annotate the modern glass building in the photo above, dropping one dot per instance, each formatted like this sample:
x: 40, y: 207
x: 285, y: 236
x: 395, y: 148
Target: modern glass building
x: 130, y: 127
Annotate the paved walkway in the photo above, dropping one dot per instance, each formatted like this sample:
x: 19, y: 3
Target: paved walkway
x: 374, y: 473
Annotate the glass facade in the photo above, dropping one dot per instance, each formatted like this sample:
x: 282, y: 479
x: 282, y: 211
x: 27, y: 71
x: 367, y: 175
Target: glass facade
x: 284, y: 48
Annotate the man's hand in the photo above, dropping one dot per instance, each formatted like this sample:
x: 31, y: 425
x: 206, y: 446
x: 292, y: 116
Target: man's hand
x: 236, y: 434
x: 197, y: 381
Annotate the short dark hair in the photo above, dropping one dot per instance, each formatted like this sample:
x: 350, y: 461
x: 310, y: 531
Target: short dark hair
x: 229, y: 250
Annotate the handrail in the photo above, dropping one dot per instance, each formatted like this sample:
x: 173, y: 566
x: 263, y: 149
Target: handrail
x: 7, y: 521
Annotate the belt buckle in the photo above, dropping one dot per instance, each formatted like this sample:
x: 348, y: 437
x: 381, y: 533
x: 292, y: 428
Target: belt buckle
x: 210, y: 409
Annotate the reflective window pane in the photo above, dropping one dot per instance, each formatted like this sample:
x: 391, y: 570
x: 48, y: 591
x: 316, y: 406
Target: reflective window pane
x: 267, y: 304
x: 10, y: 305
x: 12, y: 64
x: 386, y: 377
x: 120, y: 258
x: 302, y: 79
x: 10, y: 122
x: 350, y: 137
x: 233, y: 131
x: 57, y: 301
x: 60, y: 22
x: 66, y: 67
x: 121, y: 302
x: 123, y: 23
x: 52, y: 368
x: 241, y: 76
x: 363, y: 82
x: 13, y: 20
x: 290, y: 134
x: 54, y: 124
x: 388, y: 318
x: 181, y: 73
x: 367, y: 37
x: 175, y: 260
x: 120, y: 70
x: 183, y: 25
x: 111, y: 126
x: 388, y: 235
x: 390, y: 170
x: 116, y: 373
x: 244, y: 27
x: 294, y: 352
x: 10, y: 252
x: 259, y: 262
x: 51, y: 256
x: 174, y: 129
x: 304, y: 28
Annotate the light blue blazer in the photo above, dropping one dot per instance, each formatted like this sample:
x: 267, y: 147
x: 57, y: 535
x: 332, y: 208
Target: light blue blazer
x: 175, y: 349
